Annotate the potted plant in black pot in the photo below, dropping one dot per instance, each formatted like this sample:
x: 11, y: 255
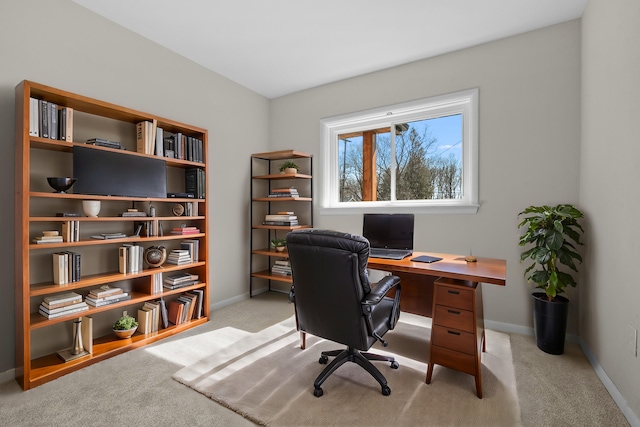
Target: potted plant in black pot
x: 552, y: 234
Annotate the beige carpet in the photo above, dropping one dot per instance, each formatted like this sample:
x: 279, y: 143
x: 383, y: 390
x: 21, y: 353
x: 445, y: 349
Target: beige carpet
x: 266, y: 378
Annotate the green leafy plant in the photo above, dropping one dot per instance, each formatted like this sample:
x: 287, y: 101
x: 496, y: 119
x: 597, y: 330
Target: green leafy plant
x: 125, y: 323
x: 553, y: 232
x: 278, y: 243
x: 288, y: 164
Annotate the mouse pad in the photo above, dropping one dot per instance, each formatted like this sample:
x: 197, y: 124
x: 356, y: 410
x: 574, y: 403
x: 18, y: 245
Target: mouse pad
x: 426, y: 258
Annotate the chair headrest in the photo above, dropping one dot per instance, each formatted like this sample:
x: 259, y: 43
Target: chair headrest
x: 337, y: 240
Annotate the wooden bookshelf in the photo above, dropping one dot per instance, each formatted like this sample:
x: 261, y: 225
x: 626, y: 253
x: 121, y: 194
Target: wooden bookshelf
x: 36, y: 206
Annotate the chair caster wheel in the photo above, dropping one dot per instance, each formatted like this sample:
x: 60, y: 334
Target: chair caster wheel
x: 386, y: 391
x: 317, y: 392
x: 323, y: 360
x: 394, y: 365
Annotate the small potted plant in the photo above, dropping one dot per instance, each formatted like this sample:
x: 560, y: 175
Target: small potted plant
x: 125, y: 326
x: 551, y: 235
x: 279, y: 244
x: 289, y: 167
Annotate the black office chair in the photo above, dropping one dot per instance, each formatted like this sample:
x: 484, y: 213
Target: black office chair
x: 334, y: 299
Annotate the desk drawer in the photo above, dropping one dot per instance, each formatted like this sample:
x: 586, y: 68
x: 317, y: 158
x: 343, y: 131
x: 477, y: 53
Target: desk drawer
x: 454, y: 297
x: 453, y: 339
x: 455, y: 318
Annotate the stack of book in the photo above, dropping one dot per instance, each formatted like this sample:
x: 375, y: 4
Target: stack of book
x: 179, y: 257
x: 193, y: 246
x: 107, y: 236
x: 132, y: 213
x: 48, y: 237
x: 281, y: 268
x: 62, y: 305
x: 180, y: 280
x: 284, y: 192
x: 66, y: 267
x: 280, y: 219
x: 187, y: 306
x: 106, y: 295
x: 185, y: 230
x: 130, y: 258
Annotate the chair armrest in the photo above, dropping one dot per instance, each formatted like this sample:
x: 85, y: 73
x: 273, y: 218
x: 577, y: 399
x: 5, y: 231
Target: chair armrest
x: 380, y: 290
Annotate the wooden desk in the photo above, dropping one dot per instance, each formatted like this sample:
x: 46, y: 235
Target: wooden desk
x: 449, y: 292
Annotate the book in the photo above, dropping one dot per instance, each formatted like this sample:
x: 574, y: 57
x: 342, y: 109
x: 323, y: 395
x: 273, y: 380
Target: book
x: 53, y: 120
x: 64, y: 313
x: 59, y: 267
x: 164, y: 315
x: 43, y: 122
x: 108, y: 301
x: 175, y: 311
x: 104, y: 291
x: 194, y: 248
x: 144, y: 321
x: 86, y: 327
x: 60, y: 304
x: 67, y: 296
x: 280, y: 217
x: 62, y: 309
x: 34, y: 128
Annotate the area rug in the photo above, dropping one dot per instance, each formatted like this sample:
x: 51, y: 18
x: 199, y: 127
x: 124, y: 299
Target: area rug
x: 268, y: 379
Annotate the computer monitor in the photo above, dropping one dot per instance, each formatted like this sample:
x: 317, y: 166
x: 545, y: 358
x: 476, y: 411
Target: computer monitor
x: 390, y: 231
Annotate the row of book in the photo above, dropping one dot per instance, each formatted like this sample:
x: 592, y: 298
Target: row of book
x: 66, y: 267
x: 281, y: 268
x: 284, y: 192
x: 154, y: 140
x: 189, y: 305
x: 130, y: 258
x: 195, y: 182
x: 281, y: 218
x: 62, y: 305
x: 49, y: 120
x: 183, y: 147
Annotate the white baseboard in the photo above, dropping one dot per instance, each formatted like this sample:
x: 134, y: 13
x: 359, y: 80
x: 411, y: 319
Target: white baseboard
x: 622, y: 403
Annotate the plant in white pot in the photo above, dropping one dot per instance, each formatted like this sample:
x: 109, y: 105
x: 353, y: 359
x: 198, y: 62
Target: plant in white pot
x: 289, y: 167
x: 551, y: 235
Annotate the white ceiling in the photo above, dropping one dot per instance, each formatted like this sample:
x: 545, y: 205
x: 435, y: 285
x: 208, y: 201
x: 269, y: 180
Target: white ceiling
x: 278, y: 47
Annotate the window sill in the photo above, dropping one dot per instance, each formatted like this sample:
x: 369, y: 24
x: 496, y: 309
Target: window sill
x: 432, y: 209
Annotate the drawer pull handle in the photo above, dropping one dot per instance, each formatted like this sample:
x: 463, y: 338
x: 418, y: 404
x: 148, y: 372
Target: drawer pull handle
x: 453, y: 311
x: 453, y: 292
x: 454, y: 332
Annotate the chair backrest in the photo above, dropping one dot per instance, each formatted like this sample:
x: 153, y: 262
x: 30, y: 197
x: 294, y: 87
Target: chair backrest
x: 329, y: 271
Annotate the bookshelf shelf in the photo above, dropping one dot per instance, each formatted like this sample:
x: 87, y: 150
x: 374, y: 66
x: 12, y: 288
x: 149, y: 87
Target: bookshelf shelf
x: 36, y: 213
x: 265, y: 177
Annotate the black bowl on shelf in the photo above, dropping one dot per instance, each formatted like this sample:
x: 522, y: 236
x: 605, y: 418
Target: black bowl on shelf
x: 60, y: 184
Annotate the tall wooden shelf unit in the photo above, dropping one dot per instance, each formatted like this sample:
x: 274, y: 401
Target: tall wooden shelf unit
x: 38, y: 339
x: 265, y: 176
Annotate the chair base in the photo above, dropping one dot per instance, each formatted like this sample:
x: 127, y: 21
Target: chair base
x: 353, y: 355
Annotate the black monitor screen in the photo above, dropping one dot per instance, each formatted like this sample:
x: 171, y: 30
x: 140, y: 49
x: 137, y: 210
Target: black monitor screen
x: 392, y: 231
x: 109, y: 173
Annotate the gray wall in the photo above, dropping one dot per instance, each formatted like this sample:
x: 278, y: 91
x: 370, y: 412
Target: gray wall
x: 610, y: 172
x: 63, y: 45
x: 529, y: 141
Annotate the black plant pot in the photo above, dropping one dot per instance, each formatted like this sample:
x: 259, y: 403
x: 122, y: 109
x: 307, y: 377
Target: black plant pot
x: 550, y: 322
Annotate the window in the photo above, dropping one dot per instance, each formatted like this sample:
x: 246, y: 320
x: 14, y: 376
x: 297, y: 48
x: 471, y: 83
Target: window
x: 420, y: 157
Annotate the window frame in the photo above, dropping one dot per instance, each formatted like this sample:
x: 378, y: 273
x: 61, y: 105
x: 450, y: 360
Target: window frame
x: 462, y: 102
